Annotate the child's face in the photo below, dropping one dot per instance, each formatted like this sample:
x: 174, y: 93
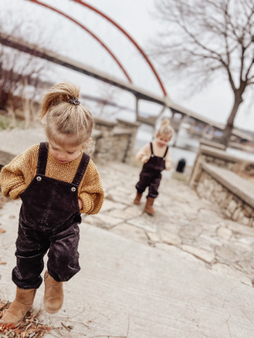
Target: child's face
x: 64, y: 153
x: 162, y: 140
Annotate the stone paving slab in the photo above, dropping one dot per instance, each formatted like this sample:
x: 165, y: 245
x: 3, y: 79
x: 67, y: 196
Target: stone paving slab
x: 130, y: 290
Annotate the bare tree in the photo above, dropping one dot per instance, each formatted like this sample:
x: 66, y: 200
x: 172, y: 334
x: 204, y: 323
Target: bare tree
x: 22, y: 76
x: 203, y: 39
x: 17, y: 72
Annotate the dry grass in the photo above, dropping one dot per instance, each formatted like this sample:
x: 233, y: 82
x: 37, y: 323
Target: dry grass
x: 30, y: 327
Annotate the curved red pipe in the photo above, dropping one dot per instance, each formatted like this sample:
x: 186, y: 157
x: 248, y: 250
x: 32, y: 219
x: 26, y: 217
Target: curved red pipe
x: 88, y: 31
x: 129, y: 37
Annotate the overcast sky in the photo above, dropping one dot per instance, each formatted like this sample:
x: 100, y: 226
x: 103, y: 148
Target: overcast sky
x: 137, y: 18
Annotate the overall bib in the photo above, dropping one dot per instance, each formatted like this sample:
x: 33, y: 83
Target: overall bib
x: 48, y: 220
x: 150, y: 175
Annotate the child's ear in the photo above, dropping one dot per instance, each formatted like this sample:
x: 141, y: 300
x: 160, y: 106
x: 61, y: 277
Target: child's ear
x: 86, y: 142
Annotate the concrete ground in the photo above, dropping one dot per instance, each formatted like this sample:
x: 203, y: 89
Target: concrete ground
x: 186, y: 272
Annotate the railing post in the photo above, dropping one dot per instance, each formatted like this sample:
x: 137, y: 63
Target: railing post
x: 137, y: 99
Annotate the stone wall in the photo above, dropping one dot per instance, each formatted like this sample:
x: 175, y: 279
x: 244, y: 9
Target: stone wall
x: 233, y: 194
x: 219, y: 158
x: 116, y: 140
x: 218, y: 177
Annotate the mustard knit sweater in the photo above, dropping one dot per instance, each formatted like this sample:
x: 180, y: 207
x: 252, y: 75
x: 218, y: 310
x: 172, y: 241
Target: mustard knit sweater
x: 18, y: 174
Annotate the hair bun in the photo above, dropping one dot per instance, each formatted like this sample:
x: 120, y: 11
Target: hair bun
x: 61, y: 92
x: 165, y: 122
x: 165, y: 128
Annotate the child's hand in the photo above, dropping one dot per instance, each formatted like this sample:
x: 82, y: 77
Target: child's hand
x: 168, y: 166
x: 144, y: 159
x: 80, y: 203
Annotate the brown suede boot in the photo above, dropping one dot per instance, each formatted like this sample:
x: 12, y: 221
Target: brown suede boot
x: 20, y: 306
x: 149, y: 206
x: 53, y: 295
x: 137, y: 199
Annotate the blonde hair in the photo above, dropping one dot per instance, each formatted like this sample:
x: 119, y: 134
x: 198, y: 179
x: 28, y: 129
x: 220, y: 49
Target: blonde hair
x: 165, y: 128
x: 65, y: 116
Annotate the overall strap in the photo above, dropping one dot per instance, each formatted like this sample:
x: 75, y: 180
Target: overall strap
x: 151, y: 146
x: 42, y: 158
x: 164, y: 157
x: 81, y: 169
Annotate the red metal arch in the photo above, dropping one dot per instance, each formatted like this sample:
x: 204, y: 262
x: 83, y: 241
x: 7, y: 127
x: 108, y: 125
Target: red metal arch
x: 88, y: 31
x: 128, y: 36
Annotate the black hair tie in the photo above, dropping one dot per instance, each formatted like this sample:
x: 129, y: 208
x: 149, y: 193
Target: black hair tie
x: 74, y: 100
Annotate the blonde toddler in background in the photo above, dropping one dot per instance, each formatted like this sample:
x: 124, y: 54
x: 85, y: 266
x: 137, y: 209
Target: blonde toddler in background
x: 155, y: 157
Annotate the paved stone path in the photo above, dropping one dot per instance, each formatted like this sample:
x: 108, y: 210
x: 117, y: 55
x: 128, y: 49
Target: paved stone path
x: 183, y: 222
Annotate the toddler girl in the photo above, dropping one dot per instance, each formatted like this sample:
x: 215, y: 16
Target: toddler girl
x: 156, y: 157
x: 56, y: 181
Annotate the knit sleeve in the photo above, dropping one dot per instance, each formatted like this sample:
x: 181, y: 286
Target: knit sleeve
x: 18, y: 174
x: 144, y: 154
x: 90, y: 190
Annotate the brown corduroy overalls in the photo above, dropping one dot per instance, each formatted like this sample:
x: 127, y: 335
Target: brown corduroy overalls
x: 49, y: 218
x: 150, y: 175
